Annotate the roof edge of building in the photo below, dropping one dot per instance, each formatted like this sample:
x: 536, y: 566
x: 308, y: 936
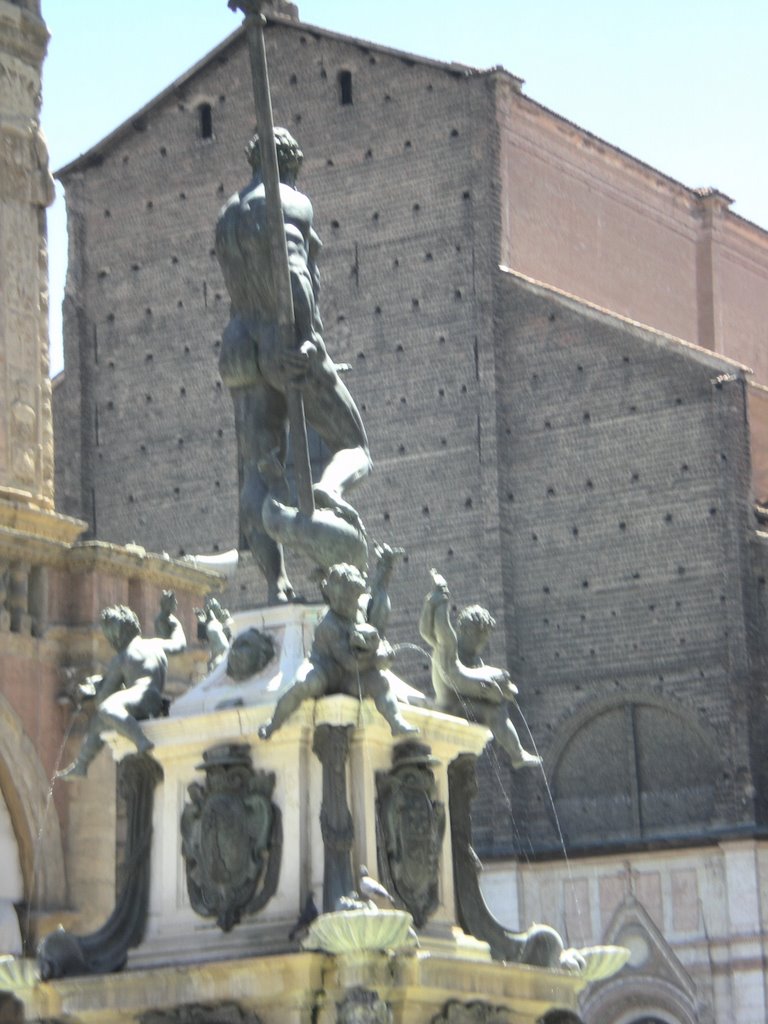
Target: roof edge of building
x: 703, y: 355
x: 95, y: 154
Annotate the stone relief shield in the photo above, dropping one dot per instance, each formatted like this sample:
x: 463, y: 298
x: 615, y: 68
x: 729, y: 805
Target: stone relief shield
x: 231, y: 837
x: 412, y: 824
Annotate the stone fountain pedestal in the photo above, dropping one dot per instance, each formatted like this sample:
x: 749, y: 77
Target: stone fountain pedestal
x: 365, y: 750
x: 232, y: 838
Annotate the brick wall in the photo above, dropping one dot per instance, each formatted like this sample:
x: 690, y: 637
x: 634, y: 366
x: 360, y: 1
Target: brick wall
x: 625, y: 517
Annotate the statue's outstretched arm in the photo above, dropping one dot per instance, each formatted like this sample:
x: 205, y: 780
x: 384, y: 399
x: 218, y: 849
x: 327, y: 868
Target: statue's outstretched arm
x: 485, y: 682
x: 427, y: 622
x: 445, y: 635
x: 177, y: 641
x: 435, y: 624
x: 380, y: 606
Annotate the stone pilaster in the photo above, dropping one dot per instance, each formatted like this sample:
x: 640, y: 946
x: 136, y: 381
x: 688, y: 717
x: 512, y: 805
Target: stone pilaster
x: 26, y: 189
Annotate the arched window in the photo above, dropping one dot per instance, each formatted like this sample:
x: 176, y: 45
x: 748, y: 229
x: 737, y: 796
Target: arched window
x: 205, y: 116
x: 634, y: 771
x: 345, y: 88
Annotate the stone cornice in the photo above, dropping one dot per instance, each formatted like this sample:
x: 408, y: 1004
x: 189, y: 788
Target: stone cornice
x: 21, y: 520
x: 38, y: 537
x: 421, y: 982
x: 134, y: 562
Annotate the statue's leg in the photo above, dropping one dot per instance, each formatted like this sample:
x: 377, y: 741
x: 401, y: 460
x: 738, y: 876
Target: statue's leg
x: 119, y: 719
x: 506, y: 736
x: 331, y: 410
x: 375, y: 684
x: 309, y: 685
x: 260, y: 421
x: 267, y: 552
x: 123, y: 710
x: 92, y: 744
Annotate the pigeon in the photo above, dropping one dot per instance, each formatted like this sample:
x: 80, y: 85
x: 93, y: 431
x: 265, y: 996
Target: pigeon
x: 370, y: 889
x: 308, y: 914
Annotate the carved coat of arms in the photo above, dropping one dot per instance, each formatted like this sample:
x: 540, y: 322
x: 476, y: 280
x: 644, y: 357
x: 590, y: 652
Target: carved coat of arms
x: 412, y: 825
x: 231, y: 837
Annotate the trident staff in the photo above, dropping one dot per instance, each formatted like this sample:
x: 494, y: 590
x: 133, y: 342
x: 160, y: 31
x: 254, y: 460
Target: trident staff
x: 254, y: 27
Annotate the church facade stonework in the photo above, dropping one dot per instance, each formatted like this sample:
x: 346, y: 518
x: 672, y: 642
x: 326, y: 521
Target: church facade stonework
x: 26, y: 189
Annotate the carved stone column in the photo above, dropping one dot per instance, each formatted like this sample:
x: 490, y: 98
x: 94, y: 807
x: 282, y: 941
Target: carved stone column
x: 331, y: 744
x: 18, y: 598
x: 26, y: 189
x: 5, y: 583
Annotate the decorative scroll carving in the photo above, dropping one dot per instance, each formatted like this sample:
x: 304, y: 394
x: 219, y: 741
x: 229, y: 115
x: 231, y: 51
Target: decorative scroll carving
x: 19, y: 86
x: 62, y: 954
x: 231, y: 837
x: 540, y: 945
x: 412, y: 821
x: 24, y: 166
x: 24, y: 448
x: 331, y: 744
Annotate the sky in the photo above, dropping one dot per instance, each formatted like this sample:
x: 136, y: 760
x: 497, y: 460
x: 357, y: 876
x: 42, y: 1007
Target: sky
x: 680, y: 84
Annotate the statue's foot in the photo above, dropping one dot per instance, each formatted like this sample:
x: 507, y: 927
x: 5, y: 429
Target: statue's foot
x: 76, y: 770
x: 281, y: 592
x: 265, y: 731
x: 526, y: 760
x: 402, y: 728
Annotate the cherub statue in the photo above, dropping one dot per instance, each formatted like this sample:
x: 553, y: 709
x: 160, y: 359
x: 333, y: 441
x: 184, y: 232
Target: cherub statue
x: 463, y: 683
x: 131, y: 689
x: 349, y: 653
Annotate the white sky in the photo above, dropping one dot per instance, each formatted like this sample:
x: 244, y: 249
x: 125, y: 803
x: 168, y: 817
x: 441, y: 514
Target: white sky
x: 681, y: 84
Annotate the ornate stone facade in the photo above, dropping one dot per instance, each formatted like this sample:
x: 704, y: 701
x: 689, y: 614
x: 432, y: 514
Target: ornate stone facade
x: 26, y: 189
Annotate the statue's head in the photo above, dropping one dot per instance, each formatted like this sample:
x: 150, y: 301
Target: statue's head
x: 289, y: 156
x: 168, y: 602
x: 120, y: 626
x: 474, y: 626
x: 343, y: 586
